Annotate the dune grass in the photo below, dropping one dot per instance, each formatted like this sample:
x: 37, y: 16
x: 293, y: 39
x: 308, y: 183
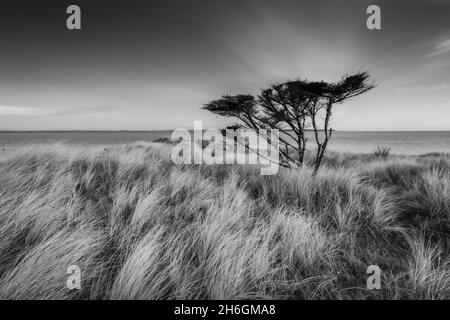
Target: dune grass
x: 140, y: 227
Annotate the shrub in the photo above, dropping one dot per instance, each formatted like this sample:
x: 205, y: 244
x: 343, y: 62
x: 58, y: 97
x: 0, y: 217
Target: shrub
x: 382, y: 152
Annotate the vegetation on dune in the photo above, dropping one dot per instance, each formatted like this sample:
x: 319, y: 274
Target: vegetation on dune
x: 140, y: 227
x: 292, y: 108
x: 382, y: 152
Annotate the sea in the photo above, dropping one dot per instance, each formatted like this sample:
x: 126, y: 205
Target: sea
x: 400, y: 142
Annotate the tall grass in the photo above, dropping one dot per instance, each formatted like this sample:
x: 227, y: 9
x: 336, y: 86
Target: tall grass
x: 140, y: 227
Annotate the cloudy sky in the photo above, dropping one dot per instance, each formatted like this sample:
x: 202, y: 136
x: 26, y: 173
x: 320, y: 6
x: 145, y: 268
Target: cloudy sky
x: 150, y: 65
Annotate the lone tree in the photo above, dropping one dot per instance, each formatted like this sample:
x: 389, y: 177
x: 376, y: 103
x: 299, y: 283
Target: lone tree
x: 293, y: 107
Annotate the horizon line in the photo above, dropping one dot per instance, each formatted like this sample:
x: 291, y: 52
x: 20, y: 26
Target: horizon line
x: 159, y: 130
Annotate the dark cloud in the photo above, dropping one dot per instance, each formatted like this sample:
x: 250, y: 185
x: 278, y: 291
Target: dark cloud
x: 164, y: 59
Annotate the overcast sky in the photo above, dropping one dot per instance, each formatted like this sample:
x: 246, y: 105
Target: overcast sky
x: 150, y: 65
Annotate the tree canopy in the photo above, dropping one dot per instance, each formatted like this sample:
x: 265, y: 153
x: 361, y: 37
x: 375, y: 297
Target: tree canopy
x: 293, y: 107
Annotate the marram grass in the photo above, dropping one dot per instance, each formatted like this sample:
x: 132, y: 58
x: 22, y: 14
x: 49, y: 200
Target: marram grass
x: 140, y: 227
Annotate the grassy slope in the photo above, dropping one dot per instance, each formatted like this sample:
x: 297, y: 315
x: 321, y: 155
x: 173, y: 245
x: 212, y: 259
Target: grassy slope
x: 140, y: 227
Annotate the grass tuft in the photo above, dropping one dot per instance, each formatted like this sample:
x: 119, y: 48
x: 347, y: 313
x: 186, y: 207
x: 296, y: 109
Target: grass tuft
x: 140, y: 227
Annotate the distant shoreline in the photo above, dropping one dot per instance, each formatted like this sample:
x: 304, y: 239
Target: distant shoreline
x: 400, y: 142
x: 162, y: 130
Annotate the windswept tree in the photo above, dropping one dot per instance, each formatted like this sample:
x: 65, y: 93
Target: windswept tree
x: 293, y: 107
